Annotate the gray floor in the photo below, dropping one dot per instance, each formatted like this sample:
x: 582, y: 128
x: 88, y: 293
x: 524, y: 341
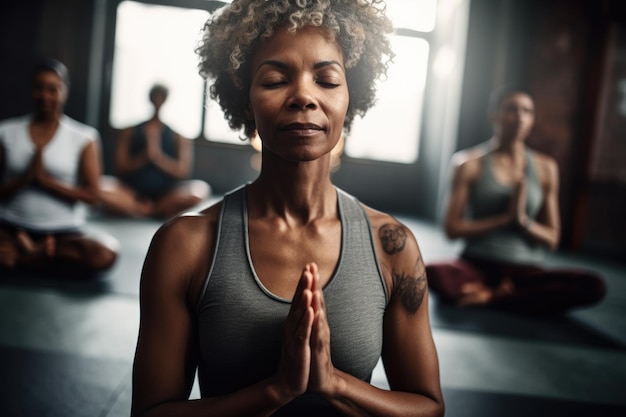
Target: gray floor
x: 66, y: 348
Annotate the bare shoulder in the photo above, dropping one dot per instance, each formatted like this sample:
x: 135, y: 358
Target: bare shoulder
x: 547, y: 167
x: 190, y: 225
x: 400, y: 259
x: 180, y: 252
x: 180, y: 138
x: 467, y: 163
x: 389, y: 231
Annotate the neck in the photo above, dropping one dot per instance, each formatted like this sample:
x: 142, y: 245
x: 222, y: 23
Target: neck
x: 155, y: 117
x: 47, y: 119
x: 513, y: 146
x: 297, y: 192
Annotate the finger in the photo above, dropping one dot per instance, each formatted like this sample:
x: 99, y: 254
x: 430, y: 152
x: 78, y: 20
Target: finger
x: 320, y: 332
x: 314, y: 270
x: 300, y: 326
x: 320, y: 379
x: 304, y: 284
x: 301, y: 302
x: 319, y: 302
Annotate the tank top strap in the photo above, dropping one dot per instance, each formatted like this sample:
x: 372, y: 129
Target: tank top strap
x: 230, y: 221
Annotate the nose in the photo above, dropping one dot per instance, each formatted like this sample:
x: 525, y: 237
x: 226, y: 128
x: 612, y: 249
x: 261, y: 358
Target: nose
x: 302, y: 95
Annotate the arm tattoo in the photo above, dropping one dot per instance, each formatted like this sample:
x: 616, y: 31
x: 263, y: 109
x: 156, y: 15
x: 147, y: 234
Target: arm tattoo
x: 393, y: 238
x: 411, y: 290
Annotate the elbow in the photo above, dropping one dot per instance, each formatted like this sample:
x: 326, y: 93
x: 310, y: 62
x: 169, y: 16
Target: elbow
x: 91, y: 197
x: 553, y: 244
x: 451, y: 231
x: 554, y: 239
x: 439, y: 409
x: 183, y: 172
x: 450, y: 234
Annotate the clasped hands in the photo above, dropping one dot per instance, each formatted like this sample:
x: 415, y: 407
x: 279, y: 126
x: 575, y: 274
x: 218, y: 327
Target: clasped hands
x: 36, y: 173
x: 306, y: 363
x: 518, y: 204
x: 154, y: 153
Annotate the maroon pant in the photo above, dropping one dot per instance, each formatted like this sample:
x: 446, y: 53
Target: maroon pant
x: 537, y: 290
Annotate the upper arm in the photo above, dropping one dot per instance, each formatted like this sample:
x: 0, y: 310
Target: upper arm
x: 122, y: 149
x: 90, y: 166
x: 409, y: 352
x: 550, y: 180
x: 184, y: 154
x: 165, y: 358
x: 463, y: 173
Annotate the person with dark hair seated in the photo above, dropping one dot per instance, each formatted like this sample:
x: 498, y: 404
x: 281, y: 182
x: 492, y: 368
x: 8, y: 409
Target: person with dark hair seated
x: 152, y: 163
x: 504, y: 202
x: 49, y: 170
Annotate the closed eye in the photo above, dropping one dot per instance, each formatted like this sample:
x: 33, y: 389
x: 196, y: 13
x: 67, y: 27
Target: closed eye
x: 328, y: 84
x: 273, y: 83
x: 327, y: 81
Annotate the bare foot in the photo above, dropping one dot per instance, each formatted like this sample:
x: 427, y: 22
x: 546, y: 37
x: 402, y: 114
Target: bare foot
x: 29, y: 246
x: 144, y: 209
x: 25, y: 242
x: 474, y: 293
x: 8, y: 254
x: 506, y: 287
x: 50, y: 245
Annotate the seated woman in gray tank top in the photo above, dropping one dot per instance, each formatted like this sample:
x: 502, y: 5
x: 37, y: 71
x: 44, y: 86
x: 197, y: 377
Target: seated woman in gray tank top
x: 504, y: 203
x: 284, y: 295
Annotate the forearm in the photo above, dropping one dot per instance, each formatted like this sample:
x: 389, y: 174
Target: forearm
x: 354, y: 397
x: 131, y: 164
x: 10, y: 188
x: 258, y: 400
x: 85, y: 194
x: 464, y: 228
x: 171, y: 166
x: 544, y: 234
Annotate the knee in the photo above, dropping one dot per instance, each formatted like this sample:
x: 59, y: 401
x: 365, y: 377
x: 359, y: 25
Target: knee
x: 201, y: 189
x: 100, y: 257
x: 439, y: 277
x: 595, y: 288
x: 104, y: 259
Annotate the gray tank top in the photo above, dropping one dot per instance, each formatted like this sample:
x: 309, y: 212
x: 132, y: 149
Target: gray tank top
x: 240, y: 322
x: 489, y: 197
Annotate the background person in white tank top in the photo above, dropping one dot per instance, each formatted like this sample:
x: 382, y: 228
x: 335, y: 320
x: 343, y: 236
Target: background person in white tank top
x: 49, y: 168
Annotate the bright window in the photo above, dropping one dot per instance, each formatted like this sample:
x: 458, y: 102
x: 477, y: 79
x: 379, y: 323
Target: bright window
x: 155, y: 44
x: 216, y: 127
x: 413, y: 14
x: 390, y: 131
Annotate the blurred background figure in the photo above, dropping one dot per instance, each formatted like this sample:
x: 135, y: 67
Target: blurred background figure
x: 50, y: 167
x: 152, y: 163
x: 504, y: 202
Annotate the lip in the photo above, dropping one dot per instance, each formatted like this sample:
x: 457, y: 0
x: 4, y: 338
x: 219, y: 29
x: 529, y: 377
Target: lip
x: 301, y: 127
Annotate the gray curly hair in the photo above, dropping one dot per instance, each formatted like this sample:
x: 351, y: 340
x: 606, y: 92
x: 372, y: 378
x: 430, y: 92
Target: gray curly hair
x: 230, y: 37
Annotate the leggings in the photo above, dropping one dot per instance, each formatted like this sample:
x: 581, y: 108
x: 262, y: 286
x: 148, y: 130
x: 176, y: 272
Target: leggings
x: 537, y: 290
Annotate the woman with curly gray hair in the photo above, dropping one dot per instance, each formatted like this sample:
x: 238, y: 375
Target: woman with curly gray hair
x: 284, y: 295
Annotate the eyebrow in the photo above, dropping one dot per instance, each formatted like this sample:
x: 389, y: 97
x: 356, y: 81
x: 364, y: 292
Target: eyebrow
x: 283, y: 65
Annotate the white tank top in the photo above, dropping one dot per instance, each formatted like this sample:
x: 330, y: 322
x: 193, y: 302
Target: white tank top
x: 33, y: 207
